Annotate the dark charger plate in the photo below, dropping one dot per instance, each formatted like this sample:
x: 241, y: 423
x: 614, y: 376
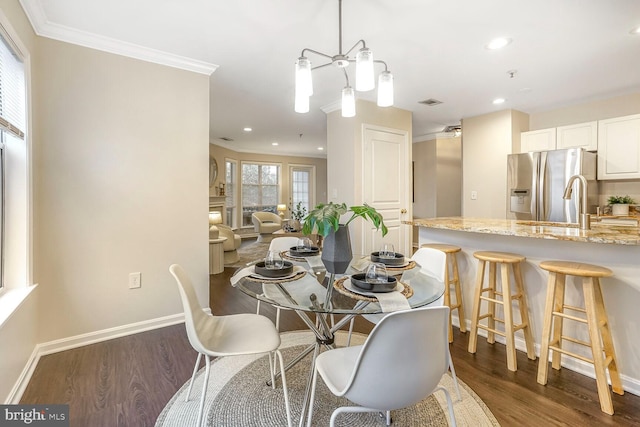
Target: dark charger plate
x: 267, y: 272
x: 296, y: 251
x: 358, y: 280
x: 397, y: 261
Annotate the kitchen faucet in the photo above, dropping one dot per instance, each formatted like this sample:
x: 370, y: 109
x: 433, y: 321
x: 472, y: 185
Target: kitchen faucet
x: 584, y: 219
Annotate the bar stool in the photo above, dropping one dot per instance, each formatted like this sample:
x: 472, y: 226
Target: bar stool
x: 505, y: 260
x: 596, y: 321
x: 451, y: 277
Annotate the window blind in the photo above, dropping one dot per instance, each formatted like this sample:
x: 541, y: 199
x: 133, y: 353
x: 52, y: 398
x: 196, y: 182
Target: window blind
x: 12, y: 91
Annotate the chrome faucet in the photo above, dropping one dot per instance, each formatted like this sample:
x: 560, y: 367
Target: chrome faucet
x: 584, y: 219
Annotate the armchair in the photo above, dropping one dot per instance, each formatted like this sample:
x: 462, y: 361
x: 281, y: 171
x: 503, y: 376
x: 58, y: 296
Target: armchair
x: 265, y: 223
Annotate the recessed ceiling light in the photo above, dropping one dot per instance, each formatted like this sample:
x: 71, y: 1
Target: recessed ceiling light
x: 320, y: 148
x: 635, y: 31
x: 247, y: 129
x: 499, y: 101
x: 274, y: 143
x: 498, y: 43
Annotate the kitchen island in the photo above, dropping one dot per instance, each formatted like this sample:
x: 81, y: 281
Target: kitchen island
x: 614, y: 247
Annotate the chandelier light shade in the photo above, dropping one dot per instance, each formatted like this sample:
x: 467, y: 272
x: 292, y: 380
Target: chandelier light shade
x: 348, y: 102
x: 385, y: 89
x: 364, y: 78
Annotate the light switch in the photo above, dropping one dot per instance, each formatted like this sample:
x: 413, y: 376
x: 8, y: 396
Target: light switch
x: 474, y: 195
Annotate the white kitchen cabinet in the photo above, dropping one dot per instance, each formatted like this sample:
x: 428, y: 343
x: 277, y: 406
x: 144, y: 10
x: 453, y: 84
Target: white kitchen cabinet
x: 538, y: 140
x: 619, y: 148
x: 581, y: 135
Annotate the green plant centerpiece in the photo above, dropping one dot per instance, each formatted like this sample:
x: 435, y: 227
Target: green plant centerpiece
x: 324, y: 219
x: 620, y: 205
x: 620, y: 200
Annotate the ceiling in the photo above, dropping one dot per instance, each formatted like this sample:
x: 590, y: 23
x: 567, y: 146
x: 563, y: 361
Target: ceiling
x: 565, y: 52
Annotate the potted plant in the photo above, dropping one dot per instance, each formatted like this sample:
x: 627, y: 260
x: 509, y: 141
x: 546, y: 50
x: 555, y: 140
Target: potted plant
x: 620, y: 205
x: 324, y: 219
x: 297, y: 214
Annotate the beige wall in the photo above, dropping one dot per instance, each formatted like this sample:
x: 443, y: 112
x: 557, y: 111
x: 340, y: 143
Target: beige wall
x: 486, y: 141
x: 437, y: 179
x: 221, y: 154
x: 590, y: 111
x: 344, y: 153
x: 121, y: 179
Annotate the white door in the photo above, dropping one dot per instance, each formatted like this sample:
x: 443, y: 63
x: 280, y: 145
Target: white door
x: 302, y: 184
x: 387, y: 187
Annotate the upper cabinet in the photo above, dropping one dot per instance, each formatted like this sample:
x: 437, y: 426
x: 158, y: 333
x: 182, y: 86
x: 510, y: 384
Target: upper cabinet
x: 619, y: 148
x: 582, y: 135
x: 538, y: 140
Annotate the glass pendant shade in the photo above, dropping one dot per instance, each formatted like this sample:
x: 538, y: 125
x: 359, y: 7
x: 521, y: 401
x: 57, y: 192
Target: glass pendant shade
x: 348, y: 102
x: 301, y: 104
x: 365, y: 80
x: 304, y: 84
x: 385, y: 89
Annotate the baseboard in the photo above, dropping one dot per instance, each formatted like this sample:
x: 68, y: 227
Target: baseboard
x: 76, y: 341
x: 631, y: 385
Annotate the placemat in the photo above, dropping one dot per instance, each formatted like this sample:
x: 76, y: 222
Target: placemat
x: 412, y: 264
x: 287, y: 255
x: 338, y: 285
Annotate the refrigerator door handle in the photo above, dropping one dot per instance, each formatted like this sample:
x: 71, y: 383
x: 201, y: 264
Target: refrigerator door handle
x: 542, y: 194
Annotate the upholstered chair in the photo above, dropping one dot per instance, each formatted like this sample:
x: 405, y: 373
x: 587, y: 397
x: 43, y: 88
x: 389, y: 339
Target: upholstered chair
x: 265, y: 223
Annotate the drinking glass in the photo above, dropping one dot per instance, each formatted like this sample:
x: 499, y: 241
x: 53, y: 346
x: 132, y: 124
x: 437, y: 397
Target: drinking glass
x: 387, y: 251
x: 303, y: 243
x: 376, y: 273
x: 273, y: 261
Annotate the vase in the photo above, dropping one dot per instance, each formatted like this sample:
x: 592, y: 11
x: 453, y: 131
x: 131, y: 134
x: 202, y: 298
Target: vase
x: 620, y: 209
x: 336, y: 250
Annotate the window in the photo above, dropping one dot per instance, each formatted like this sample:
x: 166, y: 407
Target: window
x: 12, y: 125
x: 231, y: 192
x: 260, y: 189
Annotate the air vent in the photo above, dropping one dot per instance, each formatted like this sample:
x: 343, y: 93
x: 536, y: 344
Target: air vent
x: 430, y: 102
x: 226, y: 138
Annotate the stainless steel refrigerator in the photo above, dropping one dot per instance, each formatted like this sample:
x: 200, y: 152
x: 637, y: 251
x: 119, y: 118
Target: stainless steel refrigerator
x: 536, y: 182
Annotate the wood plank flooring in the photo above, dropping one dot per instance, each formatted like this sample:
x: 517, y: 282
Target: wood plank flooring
x: 127, y: 381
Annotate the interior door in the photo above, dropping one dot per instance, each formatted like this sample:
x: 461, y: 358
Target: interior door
x: 387, y: 187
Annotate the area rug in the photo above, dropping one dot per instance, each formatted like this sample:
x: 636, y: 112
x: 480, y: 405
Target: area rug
x: 250, y: 251
x: 238, y: 397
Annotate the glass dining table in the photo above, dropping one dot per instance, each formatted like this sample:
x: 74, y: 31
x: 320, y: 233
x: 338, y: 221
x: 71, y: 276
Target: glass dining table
x: 316, y: 297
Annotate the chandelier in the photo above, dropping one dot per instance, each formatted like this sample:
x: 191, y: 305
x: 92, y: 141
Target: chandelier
x: 365, y: 79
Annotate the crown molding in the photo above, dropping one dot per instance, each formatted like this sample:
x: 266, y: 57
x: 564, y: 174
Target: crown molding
x: 44, y: 28
x: 332, y: 106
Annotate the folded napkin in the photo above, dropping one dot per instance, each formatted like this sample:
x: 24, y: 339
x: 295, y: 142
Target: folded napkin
x: 248, y: 271
x: 392, y: 301
x: 315, y: 262
x: 361, y: 264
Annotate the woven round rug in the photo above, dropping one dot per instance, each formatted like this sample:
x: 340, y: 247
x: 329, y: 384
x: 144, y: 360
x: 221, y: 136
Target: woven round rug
x: 239, y: 397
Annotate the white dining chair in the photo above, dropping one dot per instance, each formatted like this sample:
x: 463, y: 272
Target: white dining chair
x: 432, y: 262
x: 232, y: 335
x: 392, y: 369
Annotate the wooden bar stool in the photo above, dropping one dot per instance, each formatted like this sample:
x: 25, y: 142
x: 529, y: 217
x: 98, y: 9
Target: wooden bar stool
x: 596, y: 320
x: 451, y: 278
x: 506, y: 298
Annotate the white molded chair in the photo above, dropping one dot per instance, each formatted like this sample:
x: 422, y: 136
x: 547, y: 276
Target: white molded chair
x: 218, y: 336
x: 400, y: 363
x: 433, y: 262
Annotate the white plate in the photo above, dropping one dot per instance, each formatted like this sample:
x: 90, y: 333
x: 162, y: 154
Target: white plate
x: 351, y: 287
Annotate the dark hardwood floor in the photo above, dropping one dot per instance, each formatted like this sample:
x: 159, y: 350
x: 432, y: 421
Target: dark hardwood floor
x: 127, y: 381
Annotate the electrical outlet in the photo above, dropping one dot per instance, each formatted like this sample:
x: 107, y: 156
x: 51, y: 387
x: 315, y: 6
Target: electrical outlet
x: 474, y: 195
x: 135, y: 280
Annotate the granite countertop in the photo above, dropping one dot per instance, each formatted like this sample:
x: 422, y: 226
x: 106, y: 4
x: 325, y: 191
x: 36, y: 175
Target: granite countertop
x: 599, y: 233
